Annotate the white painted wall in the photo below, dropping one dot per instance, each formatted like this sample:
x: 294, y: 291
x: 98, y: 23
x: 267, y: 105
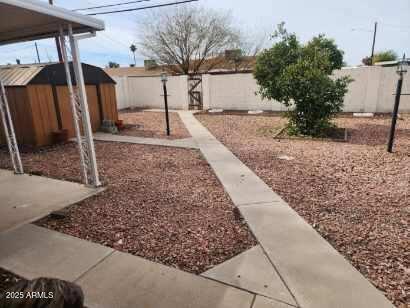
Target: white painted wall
x: 147, y: 92
x: 235, y: 92
x: 371, y: 91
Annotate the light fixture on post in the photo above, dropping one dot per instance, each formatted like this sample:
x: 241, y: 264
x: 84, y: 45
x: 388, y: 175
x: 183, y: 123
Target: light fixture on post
x: 164, y: 80
x: 401, y: 70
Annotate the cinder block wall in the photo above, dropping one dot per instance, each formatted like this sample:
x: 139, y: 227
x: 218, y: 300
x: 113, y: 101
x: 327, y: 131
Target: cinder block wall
x: 372, y: 90
x: 147, y: 92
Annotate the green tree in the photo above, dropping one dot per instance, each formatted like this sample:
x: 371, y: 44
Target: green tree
x: 388, y: 55
x: 328, y: 46
x: 133, y: 49
x: 382, y: 56
x: 113, y: 64
x: 299, y: 77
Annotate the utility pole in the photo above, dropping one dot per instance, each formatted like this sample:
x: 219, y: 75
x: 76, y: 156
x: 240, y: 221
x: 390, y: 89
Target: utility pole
x: 374, y: 41
x: 60, y: 55
x: 38, y: 55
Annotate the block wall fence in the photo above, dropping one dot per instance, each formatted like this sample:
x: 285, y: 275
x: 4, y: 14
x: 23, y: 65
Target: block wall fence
x: 372, y: 90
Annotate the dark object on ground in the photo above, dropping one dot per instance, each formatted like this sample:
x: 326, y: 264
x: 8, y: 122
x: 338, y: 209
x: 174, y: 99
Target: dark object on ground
x: 109, y: 126
x: 7, y: 279
x: 44, y: 293
x: 60, y: 136
x: 60, y: 214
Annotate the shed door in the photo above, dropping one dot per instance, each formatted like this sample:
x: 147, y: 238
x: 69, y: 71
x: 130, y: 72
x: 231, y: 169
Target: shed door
x: 65, y: 108
x: 93, y: 107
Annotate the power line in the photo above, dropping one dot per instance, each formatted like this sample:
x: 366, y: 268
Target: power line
x: 143, y: 8
x: 110, y: 5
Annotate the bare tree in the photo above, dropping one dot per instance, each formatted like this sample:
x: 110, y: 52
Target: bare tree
x: 189, y: 39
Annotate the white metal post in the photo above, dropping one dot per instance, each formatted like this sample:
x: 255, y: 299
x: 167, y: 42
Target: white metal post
x: 75, y: 107
x: 82, y: 96
x: 9, y: 131
x: 79, y: 107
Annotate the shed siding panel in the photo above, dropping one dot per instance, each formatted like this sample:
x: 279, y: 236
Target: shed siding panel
x: 21, y: 115
x: 65, y: 108
x: 109, y: 103
x: 44, y: 113
x: 92, y: 99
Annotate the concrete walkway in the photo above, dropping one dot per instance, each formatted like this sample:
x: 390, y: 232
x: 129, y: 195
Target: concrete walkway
x: 187, y: 143
x: 111, y: 279
x: 311, y: 269
x: 24, y: 198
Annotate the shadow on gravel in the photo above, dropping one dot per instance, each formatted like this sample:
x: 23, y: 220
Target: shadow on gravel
x: 374, y: 134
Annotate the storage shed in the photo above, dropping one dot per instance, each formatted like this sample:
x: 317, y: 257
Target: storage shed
x: 40, y: 104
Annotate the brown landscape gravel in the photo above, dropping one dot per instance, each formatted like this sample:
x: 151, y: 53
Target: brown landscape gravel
x: 163, y: 204
x: 152, y: 124
x: 354, y: 194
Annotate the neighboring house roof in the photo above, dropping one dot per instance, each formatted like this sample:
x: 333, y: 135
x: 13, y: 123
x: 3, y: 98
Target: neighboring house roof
x: 212, y: 66
x: 49, y: 73
x: 133, y: 71
x: 390, y: 63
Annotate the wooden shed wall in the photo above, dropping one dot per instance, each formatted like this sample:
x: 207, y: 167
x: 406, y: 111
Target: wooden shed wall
x: 21, y: 114
x: 101, y: 105
x: 43, y: 113
x: 109, y: 102
x: 34, y: 111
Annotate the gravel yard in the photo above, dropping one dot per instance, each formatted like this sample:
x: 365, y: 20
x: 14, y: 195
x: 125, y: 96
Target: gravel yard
x: 152, y: 125
x: 161, y: 203
x: 354, y: 194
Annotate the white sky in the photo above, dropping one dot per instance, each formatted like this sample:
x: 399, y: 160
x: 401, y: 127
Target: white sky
x: 336, y: 19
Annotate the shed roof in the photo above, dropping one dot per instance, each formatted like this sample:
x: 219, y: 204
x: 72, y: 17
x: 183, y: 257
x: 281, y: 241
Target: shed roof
x: 19, y: 75
x: 23, y: 20
x: 49, y: 73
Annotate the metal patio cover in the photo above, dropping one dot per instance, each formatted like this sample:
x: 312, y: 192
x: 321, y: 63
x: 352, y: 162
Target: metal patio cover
x: 25, y: 20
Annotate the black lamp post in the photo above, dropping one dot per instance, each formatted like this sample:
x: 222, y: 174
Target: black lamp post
x: 164, y: 79
x: 401, y: 70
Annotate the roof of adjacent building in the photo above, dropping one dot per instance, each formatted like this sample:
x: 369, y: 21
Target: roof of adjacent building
x: 133, y: 71
x: 49, y: 73
x: 212, y: 66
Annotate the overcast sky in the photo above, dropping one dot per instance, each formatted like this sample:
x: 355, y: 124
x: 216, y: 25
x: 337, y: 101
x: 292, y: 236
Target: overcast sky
x: 349, y: 22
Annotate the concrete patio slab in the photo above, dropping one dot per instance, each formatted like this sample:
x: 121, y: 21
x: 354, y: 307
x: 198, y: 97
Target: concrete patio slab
x: 263, y: 302
x: 31, y: 251
x: 187, y: 143
x: 317, y: 275
x: 252, y: 270
x: 124, y: 281
x: 25, y: 198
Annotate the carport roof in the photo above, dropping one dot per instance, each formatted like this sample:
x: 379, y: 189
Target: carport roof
x: 24, y: 20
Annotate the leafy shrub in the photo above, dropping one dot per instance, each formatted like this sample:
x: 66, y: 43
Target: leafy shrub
x: 299, y: 77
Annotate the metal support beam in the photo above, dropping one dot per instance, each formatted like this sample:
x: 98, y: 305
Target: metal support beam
x: 79, y: 106
x: 9, y: 131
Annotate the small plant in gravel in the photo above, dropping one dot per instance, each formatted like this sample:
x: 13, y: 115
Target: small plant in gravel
x: 299, y: 76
